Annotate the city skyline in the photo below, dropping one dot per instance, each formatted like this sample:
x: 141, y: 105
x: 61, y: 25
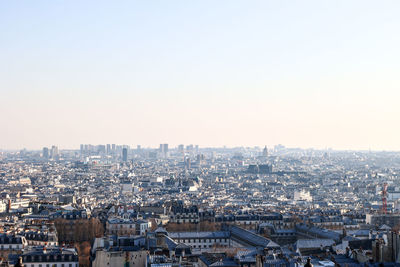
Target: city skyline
x: 133, y: 147
x: 303, y: 74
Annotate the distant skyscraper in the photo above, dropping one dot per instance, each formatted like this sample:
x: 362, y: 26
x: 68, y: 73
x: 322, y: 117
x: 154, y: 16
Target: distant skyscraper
x: 163, y: 150
x: 125, y: 154
x: 181, y: 148
x: 187, y: 163
x: 45, y: 152
x: 108, y: 150
x: 265, y: 152
x: 54, y: 152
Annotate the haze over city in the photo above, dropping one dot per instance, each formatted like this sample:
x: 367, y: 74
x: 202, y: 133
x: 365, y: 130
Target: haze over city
x: 301, y: 73
x: 211, y: 133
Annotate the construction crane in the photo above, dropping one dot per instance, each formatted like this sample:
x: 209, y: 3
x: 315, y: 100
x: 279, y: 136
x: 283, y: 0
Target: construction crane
x: 384, y: 198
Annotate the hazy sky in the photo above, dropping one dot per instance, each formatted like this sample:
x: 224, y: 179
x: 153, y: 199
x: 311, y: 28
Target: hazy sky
x: 301, y: 73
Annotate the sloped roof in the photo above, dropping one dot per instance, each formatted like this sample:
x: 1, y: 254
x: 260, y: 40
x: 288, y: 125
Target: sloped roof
x: 225, y: 262
x: 385, y: 227
x: 314, y: 243
x: 251, y: 238
x: 201, y: 235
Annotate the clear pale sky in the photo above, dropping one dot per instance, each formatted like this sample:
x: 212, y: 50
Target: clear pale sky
x: 300, y: 73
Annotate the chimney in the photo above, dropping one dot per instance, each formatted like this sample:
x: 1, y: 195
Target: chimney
x: 9, y: 205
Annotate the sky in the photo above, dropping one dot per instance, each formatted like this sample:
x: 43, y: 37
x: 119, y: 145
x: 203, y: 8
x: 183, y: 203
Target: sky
x: 235, y: 73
